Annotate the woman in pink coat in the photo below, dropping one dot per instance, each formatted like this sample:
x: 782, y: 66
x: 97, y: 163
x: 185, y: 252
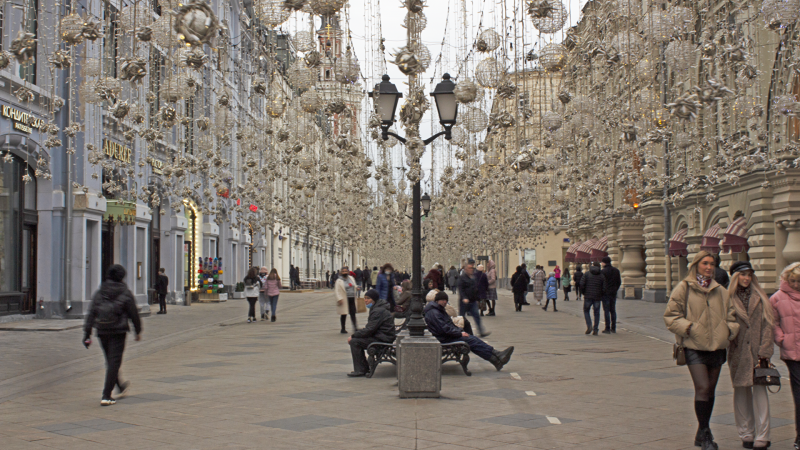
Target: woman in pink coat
x: 786, y: 304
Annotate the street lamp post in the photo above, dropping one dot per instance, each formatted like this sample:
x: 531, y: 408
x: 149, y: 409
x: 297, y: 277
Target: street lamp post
x: 386, y: 97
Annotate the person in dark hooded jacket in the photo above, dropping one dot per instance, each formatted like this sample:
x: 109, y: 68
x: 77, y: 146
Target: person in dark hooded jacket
x: 379, y: 328
x: 592, y: 286
x: 111, y: 308
x: 436, y: 278
x: 576, y: 278
x: 519, y: 285
x: 442, y: 328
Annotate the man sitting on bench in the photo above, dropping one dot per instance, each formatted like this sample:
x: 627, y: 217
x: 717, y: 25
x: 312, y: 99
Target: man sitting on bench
x: 379, y: 328
x: 440, y: 325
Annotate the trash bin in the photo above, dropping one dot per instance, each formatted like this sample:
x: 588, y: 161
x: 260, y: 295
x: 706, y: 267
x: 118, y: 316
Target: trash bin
x: 152, y: 297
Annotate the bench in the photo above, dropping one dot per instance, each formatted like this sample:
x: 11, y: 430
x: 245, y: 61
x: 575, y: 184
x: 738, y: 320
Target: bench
x: 379, y: 352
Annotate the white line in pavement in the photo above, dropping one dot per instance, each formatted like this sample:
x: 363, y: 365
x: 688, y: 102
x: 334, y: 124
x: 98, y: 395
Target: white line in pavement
x: 554, y: 420
x: 515, y: 376
x: 531, y: 393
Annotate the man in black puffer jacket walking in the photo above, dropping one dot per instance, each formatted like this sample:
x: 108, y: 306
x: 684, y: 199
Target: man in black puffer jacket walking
x: 592, y: 285
x: 613, y: 282
x: 112, y: 306
x: 379, y: 328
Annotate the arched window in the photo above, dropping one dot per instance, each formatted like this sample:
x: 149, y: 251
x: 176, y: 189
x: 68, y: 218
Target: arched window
x: 17, y: 236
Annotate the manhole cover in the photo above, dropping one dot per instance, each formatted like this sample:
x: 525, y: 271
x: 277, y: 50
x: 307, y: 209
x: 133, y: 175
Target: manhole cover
x: 599, y: 350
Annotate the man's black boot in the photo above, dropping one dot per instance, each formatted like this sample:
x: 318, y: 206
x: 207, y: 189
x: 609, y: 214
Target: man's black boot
x: 505, y: 355
x: 495, y: 360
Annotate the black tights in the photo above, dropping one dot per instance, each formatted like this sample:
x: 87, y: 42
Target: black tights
x: 705, y: 384
x: 492, y: 305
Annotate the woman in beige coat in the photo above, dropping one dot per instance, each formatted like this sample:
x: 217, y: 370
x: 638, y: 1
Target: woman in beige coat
x: 346, y: 291
x: 752, y: 346
x: 701, y: 315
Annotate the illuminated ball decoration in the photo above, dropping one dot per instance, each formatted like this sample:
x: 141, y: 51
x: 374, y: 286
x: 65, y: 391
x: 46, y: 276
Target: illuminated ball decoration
x: 71, y: 28
x: 489, y: 72
x: 645, y: 71
x: 553, y: 56
x: 779, y: 14
x: 275, y: 104
x: 657, y: 26
x: 135, y: 16
x: 474, y: 119
x: 488, y: 41
x: 629, y: 45
x: 346, y: 68
x: 415, y: 22
x: 467, y: 91
x: 272, y: 12
x: 553, y: 21
x: 326, y: 7
x: 300, y: 76
x: 303, y: 41
x: 311, y: 101
x: 552, y: 121
x: 681, y: 55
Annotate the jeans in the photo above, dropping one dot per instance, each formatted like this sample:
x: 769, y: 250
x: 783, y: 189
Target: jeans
x: 273, y: 304
x: 525, y: 296
x: 588, y: 304
x: 476, y: 346
x: 262, y: 303
x: 251, y: 312
x: 794, y: 381
x: 357, y: 348
x: 610, y: 311
x: 162, y: 302
x: 472, y: 308
x: 113, y: 346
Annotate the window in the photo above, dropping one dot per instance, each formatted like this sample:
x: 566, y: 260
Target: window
x: 21, y: 16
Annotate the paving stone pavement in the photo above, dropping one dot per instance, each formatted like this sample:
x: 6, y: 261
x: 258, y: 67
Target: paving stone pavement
x: 203, y: 378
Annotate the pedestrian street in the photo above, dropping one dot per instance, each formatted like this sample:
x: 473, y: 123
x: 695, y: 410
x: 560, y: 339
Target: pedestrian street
x: 203, y: 378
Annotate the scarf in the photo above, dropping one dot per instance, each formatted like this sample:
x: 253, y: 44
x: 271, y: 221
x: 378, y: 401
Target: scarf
x: 704, y: 282
x: 794, y: 295
x: 744, y: 296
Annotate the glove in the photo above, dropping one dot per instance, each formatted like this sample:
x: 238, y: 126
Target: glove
x: 87, y: 341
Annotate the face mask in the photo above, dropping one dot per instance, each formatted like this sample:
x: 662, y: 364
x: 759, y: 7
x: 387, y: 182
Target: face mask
x: 370, y: 305
x: 388, y: 272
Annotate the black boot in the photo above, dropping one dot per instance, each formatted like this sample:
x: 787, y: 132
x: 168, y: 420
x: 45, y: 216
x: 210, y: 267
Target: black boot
x: 495, y: 360
x: 707, y: 441
x: 505, y: 355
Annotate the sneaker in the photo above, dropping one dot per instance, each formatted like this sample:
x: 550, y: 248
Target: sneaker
x: 343, y: 331
x: 797, y: 443
x: 538, y: 303
x: 122, y: 389
x: 107, y: 402
x: 248, y: 320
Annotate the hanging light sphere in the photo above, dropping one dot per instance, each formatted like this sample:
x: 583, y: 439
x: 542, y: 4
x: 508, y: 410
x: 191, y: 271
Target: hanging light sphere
x: 551, y: 121
x: 275, y: 105
x: 300, y: 76
x: 489, y: 72
x: 474, y: 119
x: 326, y: 7
x: 657, y: 25
x: 629, y: 45
x: 195, y: 23
x: 306, y: 131
x: 683, y: 19
x: 681, y: 55
x: 459, y: 136
x: 466, y: 91
x: 645, y: 71
x: 346, y: 68
x: 553, y: 56
x: 780, y: 13
x: 72, y: 29
x: 90, y: 67
x: 415, y: 22
x: 272, y: 12
x: 488, y: 41
x: 303, y: 41
x: 553, y: 21
x: 311, y: 101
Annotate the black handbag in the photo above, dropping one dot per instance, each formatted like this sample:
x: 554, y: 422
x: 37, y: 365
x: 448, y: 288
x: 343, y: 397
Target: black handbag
x: 767, y: 376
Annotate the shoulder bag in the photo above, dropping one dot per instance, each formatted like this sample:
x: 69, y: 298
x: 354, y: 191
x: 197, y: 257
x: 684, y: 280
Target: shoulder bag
x: 767, y: 376
x: 678, y: 350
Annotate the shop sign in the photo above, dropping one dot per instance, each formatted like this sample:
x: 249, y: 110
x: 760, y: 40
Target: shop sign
x: 117, y: 151
x: 120, y: 211
x: 157, y: 165
x: 23, y: 121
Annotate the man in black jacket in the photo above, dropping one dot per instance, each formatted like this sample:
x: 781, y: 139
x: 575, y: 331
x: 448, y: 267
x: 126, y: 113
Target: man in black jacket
x: 592, y: 285
x: 366, y: 277
x: 441, y: 327
x: 613, y: 282
x: 162, y: 282
x: 359, y: 276
x: 576, y: 278
x: 379, y: 328
x: 468, y: 295
x: 720, y: 275
x: 112, y: 306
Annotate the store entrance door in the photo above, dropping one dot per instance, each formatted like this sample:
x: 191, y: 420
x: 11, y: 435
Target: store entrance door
x: 107, y: 250
x: 28, y: 268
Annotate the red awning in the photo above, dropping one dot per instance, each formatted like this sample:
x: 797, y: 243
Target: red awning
x: 571, y: 252
x: 600, y: 249
x: 735, y: 237
x: 677, y: 243
x: 711, y: 240
x: 584, y: 253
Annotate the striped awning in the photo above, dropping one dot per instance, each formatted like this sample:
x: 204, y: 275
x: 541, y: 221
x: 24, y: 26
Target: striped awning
x: 584, y: 253
x: 678, y: 246
x: 735, y: 237
x: 571, y: 252
x: 600, y: 249
x: 711, y: 240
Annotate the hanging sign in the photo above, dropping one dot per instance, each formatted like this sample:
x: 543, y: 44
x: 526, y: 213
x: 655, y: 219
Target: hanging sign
x: 117, y: 151
x: 23, y: 121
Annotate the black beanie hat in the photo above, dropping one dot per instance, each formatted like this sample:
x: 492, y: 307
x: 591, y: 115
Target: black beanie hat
x: 373, y: 294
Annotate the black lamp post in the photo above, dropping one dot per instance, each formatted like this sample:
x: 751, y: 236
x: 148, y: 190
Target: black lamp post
x: 446, y: 105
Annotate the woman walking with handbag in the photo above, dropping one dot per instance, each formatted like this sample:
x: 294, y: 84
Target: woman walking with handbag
x: 701, y: 315
x: 272, y: 288
x: 786, y: 308
x: 252, y: 284
x: 752, y: 348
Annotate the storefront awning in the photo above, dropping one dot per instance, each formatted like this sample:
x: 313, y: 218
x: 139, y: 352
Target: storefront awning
x: 571, y: 252
x: 735, y: 237
x: 677, y: 243
x: 711, y: 240
x: 600, y: 249
x: 122, y: 212
x: 584, y: 253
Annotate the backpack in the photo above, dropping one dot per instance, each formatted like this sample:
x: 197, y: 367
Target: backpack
x: 109, y: 313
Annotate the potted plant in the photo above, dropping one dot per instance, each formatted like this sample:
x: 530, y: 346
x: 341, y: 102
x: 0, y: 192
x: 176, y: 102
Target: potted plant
x: 238, y: 292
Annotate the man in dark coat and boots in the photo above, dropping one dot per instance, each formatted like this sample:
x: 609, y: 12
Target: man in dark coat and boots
x: 366, y: 275
x: 592, y: 285
x: 162, y: 282
x: 441, y: 327
x: 576, y: 278
x: 111, y: 308
x: 359, y: 276
x: 468, y: 295
x: 291, y: 276
x: 379, y: 328
x: 613, y: 282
